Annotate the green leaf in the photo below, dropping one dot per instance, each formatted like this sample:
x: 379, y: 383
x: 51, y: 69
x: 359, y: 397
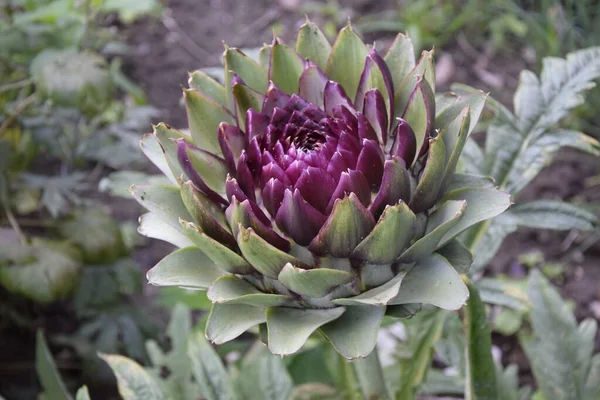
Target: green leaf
x: 488, y: 241
x: 204, y: 117
x: 133, y: 381
x: 397, y: 221
x: 210, y: 168
x: 426, y: 193
x: 316, y: 282
x: 354, y: 334
x: 505, y: 292
x: 54, y: 387
x: 223, y: 256
x: 347, y: 60
x: 202, y: 82
x: 455, y: 136
x: 440, y: 222
x: 253, y: 75
x: 371, y: 377
x: 540, y: 152
x: 400, y: 58
x: 458, y: 255
x: 414, y: 368
x: 560, y: 352
x: 378, y: 296
x: 264, y: 257
x: 433, y: 280
x: 208, y: 215
x: 163, y: 200
x: 187, y: 267
x: 265, y: 377
x: 286, y: 67
x: 550, y: 214
x: 228, y: 321
x: 472, y: 159
x: 96, y: 233
x: 420, y: 114
x: 482, y: 204
x: 462, y: 181
x: 539, y: 105
x: 178, y: 383
x: 151, y: 148
x: 475, y: 101
x: 166, y: 136
x: 44, y: 271
x: 481, y: 371
x: 312, y: 44
x: 348, y: 224
x: 289, y: 328
x: 117, y: 183
x: 404, y: 88
x: 245, y: 98
x: 208, y: 369
x: 153, y: 226
x: 230, y: 289
x: 73, y: 79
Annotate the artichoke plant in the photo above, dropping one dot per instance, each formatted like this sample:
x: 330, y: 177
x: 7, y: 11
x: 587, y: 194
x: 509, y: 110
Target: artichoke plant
x: 316, y: 190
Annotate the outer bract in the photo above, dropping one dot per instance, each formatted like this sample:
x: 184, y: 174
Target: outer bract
x: 317, y: 191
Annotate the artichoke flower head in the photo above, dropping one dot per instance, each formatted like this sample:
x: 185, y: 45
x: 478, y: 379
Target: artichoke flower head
x: 317, y: 191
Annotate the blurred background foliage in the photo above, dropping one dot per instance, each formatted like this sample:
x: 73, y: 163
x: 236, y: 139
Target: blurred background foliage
x: 72, y: 263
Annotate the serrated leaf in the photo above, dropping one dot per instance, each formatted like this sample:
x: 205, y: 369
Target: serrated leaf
x: 265, y: 377
x: 489, y: 242
x: 208, y: 369
x: 539, y: 105
x: 133, y: 381
x: 560, y: 352
x: 508, y: 293
x: 553, y: 214
x: 540, y: 153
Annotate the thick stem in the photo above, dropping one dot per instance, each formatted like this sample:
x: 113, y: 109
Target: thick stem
x: 371, y: 378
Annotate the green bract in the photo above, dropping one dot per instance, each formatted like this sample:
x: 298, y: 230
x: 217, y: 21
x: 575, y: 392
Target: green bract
x: 317, y: 191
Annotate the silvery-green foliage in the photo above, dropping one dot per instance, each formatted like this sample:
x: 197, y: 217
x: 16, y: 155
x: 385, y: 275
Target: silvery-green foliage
x: 518, y: 145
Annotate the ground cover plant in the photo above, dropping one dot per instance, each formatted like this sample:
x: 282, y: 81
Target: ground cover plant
x: 67, y: 113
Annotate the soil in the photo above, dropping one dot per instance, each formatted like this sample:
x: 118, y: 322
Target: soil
x: 190, y: 38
